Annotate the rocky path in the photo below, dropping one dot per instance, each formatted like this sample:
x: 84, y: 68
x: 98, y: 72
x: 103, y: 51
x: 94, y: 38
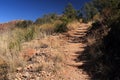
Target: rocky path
x: 75, y: 45
x: 47, y: 64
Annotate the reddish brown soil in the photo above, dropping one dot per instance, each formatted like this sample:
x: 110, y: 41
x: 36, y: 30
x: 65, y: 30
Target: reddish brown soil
x: 75, y: 45
x: 71, y: 43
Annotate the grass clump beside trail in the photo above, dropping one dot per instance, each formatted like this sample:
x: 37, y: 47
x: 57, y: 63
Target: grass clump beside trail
x: 54, y: 27
x: 10, y: 47
x: 24, y: 31
x: 11, y: 42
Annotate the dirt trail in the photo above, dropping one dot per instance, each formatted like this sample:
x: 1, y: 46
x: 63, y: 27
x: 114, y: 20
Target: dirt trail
x: 47, y: 60
x: 75, y: 44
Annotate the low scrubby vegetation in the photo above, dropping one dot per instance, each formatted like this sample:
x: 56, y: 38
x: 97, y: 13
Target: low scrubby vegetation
x: 102, y: 58
x: 13, y: 39
x: 102, y: 52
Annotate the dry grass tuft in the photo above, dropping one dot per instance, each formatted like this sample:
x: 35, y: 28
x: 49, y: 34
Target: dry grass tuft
x: 73, y: 25
x: 10, y: 47
x: 50, y: 28
x: 19, y: 43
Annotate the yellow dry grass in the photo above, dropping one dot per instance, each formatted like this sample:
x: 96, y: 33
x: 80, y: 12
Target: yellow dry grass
x: 50, y: 27
x: 73, y: 25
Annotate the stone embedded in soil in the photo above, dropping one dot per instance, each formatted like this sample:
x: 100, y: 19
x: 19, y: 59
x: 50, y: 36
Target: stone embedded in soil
x: 26, y: 75
x: 42, y: 55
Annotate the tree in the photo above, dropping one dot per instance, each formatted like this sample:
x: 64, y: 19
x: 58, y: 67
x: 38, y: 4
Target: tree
x: 90, y: 11
x: 70, y: 12
x: 109, y: 57
x: 79, y: 14
x: 108, y: 9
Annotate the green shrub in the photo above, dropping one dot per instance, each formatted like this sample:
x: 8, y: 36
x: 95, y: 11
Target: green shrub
x: 29, y: 34
x: 61, y: 28
x: 25, y: 34
x: 48, y: 18
x: 70, y: 12
x: 24, y: 24
x: 56, y: 26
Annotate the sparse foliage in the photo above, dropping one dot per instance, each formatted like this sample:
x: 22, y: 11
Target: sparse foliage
x: 24, y: 24
x: 104, y: 52
x: 70, y: 12
x: 48, y: 18
x: 90, y: 11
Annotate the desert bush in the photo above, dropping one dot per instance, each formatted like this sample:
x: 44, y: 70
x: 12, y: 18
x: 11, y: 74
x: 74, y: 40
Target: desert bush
x: 48, y: 28
x: 89, y: 11
x: 48, y: 18
x: 24, y: 24
x: 103, y: 53
x: 25, y: 34
x: 54, y: 27
x: 29, y: 34
x: 70, y: 13
x: 61, y: 28
x: 96, y: 34
x: 106, y: 48
x: 97, y: 17
x: 10, y: 48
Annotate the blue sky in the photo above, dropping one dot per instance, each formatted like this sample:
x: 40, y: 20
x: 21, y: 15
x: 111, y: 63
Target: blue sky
x: 32, y: 9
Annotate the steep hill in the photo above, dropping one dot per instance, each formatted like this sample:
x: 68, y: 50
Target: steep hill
x: 55, y: 57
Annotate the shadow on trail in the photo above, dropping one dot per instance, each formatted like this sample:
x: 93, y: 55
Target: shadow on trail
x: 90, y: 65
x: 101, y: 60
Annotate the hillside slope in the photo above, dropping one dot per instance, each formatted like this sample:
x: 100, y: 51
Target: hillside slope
x: 9, y: 25
x: 54, y: 57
